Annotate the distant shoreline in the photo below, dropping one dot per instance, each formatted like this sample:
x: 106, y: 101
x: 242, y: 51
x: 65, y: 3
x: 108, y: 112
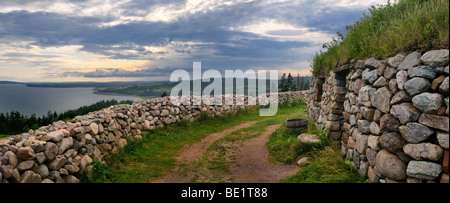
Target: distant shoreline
x: 116, y: 94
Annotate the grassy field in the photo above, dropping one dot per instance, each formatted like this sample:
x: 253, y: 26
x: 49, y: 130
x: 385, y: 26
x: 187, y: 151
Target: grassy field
x: 143, y: 161
x: 402, y: 27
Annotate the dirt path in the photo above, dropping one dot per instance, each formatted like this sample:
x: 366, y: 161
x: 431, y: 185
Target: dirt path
x: 252, y: 164
x: 191, y: 153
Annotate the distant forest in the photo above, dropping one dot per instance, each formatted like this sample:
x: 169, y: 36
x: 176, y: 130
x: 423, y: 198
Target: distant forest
x: 15, y: 123
x: 290, y: 83
x: 158, y: 89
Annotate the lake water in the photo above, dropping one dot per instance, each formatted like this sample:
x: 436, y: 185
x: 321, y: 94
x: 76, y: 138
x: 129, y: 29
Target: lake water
x: 37, y: 100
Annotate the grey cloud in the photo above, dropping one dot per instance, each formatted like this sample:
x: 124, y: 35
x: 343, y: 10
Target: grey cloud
x: 228, y: 48
x: 118, y: 72
x: 27, y: 55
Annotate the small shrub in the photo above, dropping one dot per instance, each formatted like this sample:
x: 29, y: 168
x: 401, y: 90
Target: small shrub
x: 98, y: 174
x: 284, y: 146
x: 328, y: 166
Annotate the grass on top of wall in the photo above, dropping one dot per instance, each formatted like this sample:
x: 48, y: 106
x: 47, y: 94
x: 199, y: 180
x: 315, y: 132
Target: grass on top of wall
x: 401, y: 27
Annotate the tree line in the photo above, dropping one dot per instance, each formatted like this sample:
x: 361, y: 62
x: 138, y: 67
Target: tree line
x: 15, y: 123
x: 288, y: 84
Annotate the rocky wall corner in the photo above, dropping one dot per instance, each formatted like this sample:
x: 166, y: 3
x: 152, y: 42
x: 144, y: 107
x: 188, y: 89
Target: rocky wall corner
x: 391, y: 116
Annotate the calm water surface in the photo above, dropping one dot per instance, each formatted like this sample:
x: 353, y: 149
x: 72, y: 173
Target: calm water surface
x: 37, y: 100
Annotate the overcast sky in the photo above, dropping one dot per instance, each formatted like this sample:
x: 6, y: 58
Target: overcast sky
x: 123, y: 40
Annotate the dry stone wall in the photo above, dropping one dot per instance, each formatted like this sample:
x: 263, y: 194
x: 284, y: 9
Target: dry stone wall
x: 61, y: 152
x: 390, y: 116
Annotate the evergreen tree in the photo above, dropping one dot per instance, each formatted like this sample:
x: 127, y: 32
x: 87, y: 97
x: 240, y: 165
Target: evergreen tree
x: 290, y: 86
x: 299, y: 87
x: 282, y: 86
x: 302, y: 84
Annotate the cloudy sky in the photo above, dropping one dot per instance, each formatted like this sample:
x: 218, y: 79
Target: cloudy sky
x: 123, y: 40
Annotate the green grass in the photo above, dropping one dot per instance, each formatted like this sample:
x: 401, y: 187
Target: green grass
x: 154, y: 155
x: 401, y: 27
x: 4, y: 136
x: 328, y: 166
x: 284, y: 146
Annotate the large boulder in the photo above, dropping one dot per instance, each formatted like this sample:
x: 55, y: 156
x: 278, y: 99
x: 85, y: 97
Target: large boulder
x: 424, y: 151
x: 428, y: 102
x: 374, y: 142
x: 436, y: 58
x: 85, y: 161
x: 57, y: 163
x: 417, y: 85
x: 51, y: 150
x: 415, y: 132
x: 55, y: 136
x: 401, y: 78
x: 395, y: 61
x: 30, y: 177
x: 94, y: 128
x: 389, y: 73
x: 436, y: 82
x: 399, y: 97
x: 434, y: 121
x: 413, y: 59
x: 364, y: 126
x: 365, y: 93
x: 423, y: 170
x: 66, y: 144
x: 442, y: 139
x: 25, y: 165
x: 25, y: 153
x: 375, y: 128
x: 361, y: 143
x: 380, y: 82
x: 372, y: 63
x: 389, y: 123
x: 358, y: 84
x: 12, y: 158
x: 6, y: 171
x: 390, y: 166
x: 370, y: 75
x: 381, y: 99
x: 405, y: 112
x: 422, y: 71
x: 392, y: 141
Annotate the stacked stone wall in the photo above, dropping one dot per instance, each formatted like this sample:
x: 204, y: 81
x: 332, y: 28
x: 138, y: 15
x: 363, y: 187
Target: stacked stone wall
x: 390, y: 116
x: 61, y: 152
